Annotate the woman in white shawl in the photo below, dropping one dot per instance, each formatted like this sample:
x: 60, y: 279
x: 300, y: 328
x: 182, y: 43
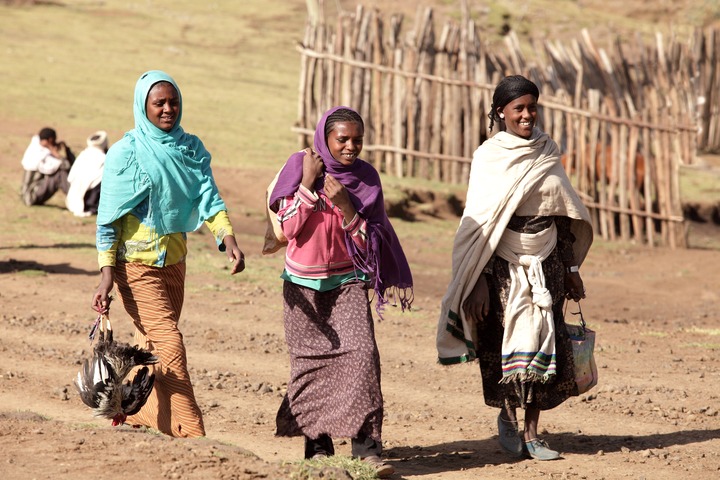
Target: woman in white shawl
x: 516, y: 257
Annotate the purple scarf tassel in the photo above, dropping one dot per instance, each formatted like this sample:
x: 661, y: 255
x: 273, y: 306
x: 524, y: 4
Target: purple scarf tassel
x: 371, y: 263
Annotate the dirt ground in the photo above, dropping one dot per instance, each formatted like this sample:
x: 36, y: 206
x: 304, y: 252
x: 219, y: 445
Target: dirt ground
x: 654, y: 414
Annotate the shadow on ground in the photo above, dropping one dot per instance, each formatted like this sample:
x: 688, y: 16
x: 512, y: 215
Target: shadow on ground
x: 29, y: 266
x: 465, y: 455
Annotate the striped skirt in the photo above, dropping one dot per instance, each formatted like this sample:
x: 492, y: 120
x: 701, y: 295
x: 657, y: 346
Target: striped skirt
x: 153, y: 297
x: 334, y: 386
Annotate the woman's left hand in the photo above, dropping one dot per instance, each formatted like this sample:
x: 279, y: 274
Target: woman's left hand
x: 574, y: 288
x: 234, y: 254
x: 338, y: 195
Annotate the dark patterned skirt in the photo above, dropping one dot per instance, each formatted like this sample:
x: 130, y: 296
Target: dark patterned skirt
x: 543, y: 396
x: 334, y: 386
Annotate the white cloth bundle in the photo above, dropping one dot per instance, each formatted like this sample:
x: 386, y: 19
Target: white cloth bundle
x: 528, y: 348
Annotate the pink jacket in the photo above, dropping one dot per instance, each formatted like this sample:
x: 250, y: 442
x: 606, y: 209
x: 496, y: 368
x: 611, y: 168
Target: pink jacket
x: 316, y: 235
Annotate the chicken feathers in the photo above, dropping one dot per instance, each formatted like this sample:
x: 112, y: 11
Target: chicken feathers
x: 102, y: 383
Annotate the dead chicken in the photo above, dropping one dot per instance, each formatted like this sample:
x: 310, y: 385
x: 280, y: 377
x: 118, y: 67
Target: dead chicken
x: 101, y: 382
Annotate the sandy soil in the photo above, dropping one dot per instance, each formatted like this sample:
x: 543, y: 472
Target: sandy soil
x: 654, y: 413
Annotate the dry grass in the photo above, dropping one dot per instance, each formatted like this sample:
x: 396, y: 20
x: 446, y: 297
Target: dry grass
x: 234, y: 61
x: 236, y: 67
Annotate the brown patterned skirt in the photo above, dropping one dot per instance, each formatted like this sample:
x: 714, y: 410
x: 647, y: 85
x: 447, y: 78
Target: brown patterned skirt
x: 334, y: 386
x: 154, y: 297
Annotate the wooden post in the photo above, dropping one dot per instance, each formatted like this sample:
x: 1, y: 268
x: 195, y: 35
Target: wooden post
x: 649, y: 190
x: 315, y: 12
x: 439, y: 104
x: 373, y: 131
x: 424, y: 89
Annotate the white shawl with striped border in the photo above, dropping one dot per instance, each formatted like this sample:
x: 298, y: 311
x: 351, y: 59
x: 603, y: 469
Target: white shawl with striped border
x: 509, y: 174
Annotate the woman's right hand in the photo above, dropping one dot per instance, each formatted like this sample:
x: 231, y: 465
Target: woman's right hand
x: 477, y: 305
x: 313, y: 167
x: 101, y: 298
x: 235, y: 255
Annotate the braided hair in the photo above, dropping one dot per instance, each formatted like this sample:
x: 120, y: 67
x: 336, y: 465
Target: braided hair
x: 339, y: 116
x: 510, y: 88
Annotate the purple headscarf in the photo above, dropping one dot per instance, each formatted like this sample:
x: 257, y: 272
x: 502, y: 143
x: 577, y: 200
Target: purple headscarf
x: 385, y: 260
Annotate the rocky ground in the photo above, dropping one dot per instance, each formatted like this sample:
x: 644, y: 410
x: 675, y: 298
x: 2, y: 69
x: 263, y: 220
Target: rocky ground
x: 656, y: 311
x: 654, y: 413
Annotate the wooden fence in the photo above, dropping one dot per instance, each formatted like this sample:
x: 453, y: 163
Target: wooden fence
x: 425, y: 99
x: 626, y: 170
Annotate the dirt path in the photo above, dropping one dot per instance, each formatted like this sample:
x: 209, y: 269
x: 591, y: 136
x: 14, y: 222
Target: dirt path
x: 653, y: 415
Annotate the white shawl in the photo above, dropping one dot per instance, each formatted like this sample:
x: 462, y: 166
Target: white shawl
x: 86, y: 173
x: 528, y: 347
x: 509, y: 175
x: 40, y: 159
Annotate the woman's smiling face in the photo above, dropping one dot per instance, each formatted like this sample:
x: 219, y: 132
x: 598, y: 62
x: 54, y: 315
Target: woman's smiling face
x: 162, y: 106
x: 520, y: 115
x: 345, y: 141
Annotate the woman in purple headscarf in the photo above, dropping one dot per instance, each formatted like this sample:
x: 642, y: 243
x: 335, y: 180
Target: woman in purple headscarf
x: 340, y: 245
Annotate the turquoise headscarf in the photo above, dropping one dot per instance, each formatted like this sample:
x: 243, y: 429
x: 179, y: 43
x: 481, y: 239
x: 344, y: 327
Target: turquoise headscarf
x: 171, y: 169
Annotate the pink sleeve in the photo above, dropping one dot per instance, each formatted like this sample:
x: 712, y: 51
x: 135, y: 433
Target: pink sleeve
x: 294, y: 211
x: 357, y: 230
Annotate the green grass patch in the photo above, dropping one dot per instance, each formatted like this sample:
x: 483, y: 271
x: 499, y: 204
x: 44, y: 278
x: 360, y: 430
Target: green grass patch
x: 332, y: 468
x: 700, y: 185
x: 236, y: 70
x: 265, y: 271
x: 702, y: 241
x: 704, y: 331
x: 703, y: 346
x: 32, y: 273
x: 260, y: 271
x: 610, y: 246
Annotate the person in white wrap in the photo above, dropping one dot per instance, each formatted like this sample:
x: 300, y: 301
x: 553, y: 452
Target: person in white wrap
x: 85, y: 176
x: 516, y: 258
x: 46, y: 163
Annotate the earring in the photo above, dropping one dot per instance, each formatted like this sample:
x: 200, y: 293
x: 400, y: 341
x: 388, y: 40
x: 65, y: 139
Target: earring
x: 502, y: 115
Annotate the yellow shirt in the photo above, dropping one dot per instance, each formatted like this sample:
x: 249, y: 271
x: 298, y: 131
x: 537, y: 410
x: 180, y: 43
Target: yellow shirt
x: 128, y: 239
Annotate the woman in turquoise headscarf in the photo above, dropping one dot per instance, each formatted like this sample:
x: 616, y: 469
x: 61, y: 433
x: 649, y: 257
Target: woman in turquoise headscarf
x: 158, y: 185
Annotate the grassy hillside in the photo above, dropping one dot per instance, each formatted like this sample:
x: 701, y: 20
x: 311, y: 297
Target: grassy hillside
x: 74, y: 65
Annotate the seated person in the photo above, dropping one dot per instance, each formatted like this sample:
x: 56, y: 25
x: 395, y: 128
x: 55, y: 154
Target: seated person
x: 46, y: 163
x: 85, y: 175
